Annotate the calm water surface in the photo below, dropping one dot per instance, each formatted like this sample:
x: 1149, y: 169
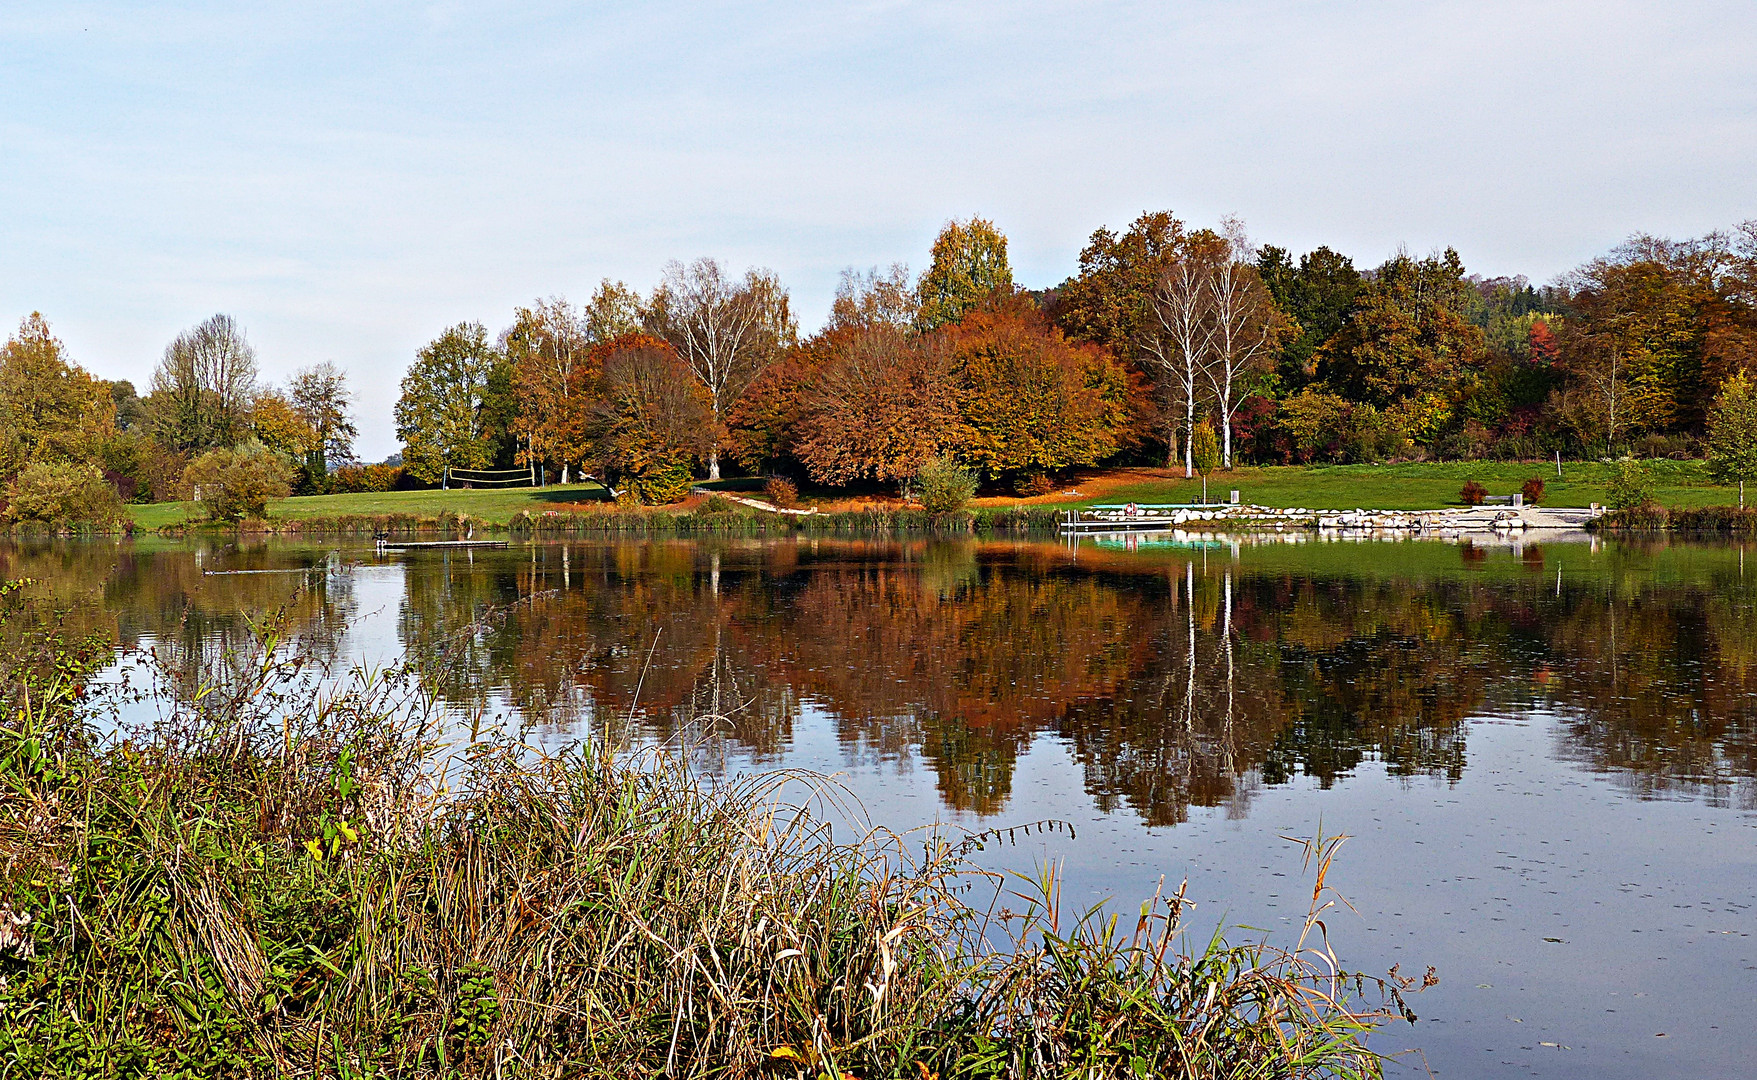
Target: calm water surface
x: 1546, y: 754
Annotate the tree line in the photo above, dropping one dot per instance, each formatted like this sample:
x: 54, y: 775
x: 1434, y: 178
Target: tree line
x: 74, y: 448
x: 1166, y: 333
x: 1169, y: 338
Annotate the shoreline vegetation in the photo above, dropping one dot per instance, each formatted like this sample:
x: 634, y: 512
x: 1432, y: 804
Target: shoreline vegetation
x: 1691, y: 501
x: 293, y: 876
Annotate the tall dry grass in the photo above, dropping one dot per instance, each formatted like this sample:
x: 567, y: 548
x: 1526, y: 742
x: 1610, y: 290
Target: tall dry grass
x: 294, y: 873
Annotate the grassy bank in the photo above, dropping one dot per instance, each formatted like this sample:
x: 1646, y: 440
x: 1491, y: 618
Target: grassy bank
x: 273, y: 882
x: 1419, y: 486
x: 494, y: 507
x: 1415, y: 486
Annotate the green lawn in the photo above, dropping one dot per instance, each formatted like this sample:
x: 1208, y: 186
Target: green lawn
x: 1322, y: 487
x: 492, y: 506
x: 1407, y: 487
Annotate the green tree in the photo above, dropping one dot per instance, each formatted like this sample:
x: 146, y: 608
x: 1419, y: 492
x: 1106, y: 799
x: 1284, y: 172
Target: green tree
x: 1205, y: 453
x: 1318, y: 295
x: 1631, y: 485
x: 1732, y: 433
x: 969, y: 265
x: 945, y: 486
x: 131, y: 412
x: 442, y: 417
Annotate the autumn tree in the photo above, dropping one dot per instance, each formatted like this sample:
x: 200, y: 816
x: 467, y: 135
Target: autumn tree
x: 276, y: 423
x: 651, y: 418
x: 613, y: 310
x: 726, y: 330
x: 880, y: 403
x: 442, y: 417
x: 767, y: 423
x: 1029, y: 400
x: 50, y: 409
x: 204, y: 386
x: 875, y: 298
x: 549, y: 344
x: 968, y: 265
x: 1108, y: 301
x: 319, y: 395
x: 1653, y: 330
x: 1407, y: 343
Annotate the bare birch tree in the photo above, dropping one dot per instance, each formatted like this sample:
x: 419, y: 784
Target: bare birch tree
x: 726, y: 330
x: 1247, y: 329
x: 1179, y: 336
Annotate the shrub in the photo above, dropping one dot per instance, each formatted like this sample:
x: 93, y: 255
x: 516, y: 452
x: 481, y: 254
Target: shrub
x: 359, y: 478
x: 232, y: 483
x: 1204, y: 448
x: 664, y: 483
x: 946, y: 487
x: 1532, y: 489
x: 1034, y: 484
x: 782, y: 492
x: 717, y: 504
x: 63, y: 495
x: 1472, y: 493
x: 1631, y: 485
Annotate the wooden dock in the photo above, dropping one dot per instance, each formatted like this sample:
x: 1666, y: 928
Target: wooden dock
x: 443, y: 545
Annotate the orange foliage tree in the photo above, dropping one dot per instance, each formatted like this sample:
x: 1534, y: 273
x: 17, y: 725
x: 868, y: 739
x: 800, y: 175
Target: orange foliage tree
x: 554, y: 375
x: 1027, y: 398
x: 880, y: 403
x: 650, y: 419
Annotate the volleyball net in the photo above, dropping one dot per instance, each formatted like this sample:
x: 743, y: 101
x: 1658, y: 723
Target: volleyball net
x: 521, y: 477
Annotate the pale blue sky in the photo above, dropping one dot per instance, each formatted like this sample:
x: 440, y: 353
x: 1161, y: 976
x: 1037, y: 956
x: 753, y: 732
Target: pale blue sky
x: 348, y: 179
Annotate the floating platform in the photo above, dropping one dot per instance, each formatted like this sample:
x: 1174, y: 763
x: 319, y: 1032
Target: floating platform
x: 444, y: 545
x: 1446, y: 521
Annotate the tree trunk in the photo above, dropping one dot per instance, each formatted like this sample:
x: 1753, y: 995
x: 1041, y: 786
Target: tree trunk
x: 714, y: 463
x: 1190, y: 439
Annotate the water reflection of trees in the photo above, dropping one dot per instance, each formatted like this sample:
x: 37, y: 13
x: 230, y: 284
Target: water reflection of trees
x: 200, y: 624
x: 1186, y: 681
x: 1174, y: 685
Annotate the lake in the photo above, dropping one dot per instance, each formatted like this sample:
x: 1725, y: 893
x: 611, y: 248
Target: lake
x: 1545, y: 753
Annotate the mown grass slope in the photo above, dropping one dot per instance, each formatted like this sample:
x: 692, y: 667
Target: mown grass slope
x: 1413, y: 486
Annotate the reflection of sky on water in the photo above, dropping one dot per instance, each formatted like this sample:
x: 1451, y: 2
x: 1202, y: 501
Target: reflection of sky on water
x: 1477, y: 718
